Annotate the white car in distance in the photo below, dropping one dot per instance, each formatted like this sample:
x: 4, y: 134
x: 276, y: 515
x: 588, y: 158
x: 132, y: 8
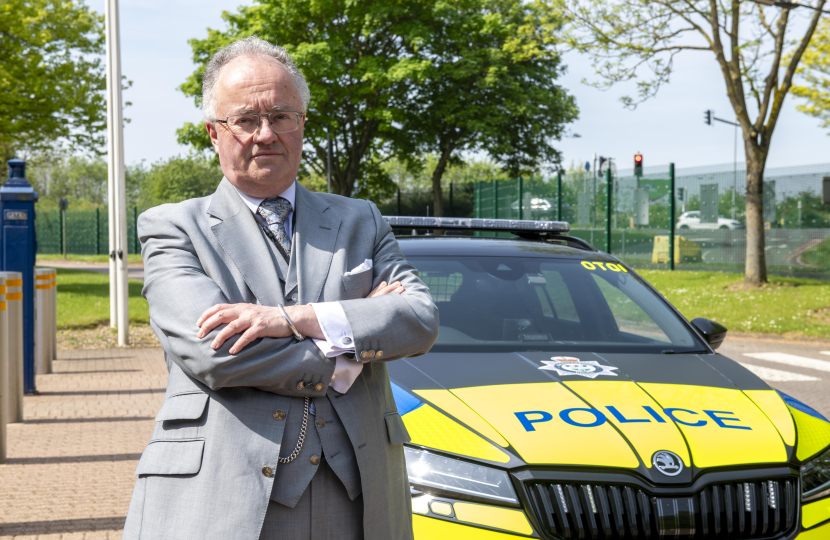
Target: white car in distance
x: 691, y: 220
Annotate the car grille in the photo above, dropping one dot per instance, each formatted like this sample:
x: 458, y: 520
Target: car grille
x: 756, y: 510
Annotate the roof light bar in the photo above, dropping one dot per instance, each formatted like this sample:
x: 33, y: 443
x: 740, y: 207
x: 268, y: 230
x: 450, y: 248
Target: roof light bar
x: 473, y: 224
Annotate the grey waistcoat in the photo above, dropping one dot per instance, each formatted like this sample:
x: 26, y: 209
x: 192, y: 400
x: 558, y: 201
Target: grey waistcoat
x: 327, y: 438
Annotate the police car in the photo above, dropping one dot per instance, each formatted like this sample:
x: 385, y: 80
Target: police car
x: 565, y: 398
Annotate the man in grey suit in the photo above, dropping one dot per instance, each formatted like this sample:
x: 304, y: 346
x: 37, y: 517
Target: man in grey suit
x: 276, y: 308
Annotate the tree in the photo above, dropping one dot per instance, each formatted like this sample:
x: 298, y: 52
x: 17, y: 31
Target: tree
x: 52, y: 83
x: 353, y: 57
x: 750, y: 43
x: 815, y: 70
x: 179, y: 178
x: 489, y: 85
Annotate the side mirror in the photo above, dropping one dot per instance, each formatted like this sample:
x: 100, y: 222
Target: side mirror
x: 713, y: 332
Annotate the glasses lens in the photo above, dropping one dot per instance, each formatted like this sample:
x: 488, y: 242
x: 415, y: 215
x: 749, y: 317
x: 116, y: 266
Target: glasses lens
x: 243, y: 123
x: 283, y: 122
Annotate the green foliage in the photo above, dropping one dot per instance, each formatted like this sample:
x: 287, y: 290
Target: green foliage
x: 815, y: 71
x: 81, y: 179
x: 490, y: 85
x: 52, y: 80
x: 416, y: 175
x: 180, y: 178
x: 353, y: 58
x: 395, y: 79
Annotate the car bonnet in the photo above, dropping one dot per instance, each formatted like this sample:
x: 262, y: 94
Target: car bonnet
x: 594, y: 410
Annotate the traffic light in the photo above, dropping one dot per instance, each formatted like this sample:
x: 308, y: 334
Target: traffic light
x: 638, y: 165
x: 707, y: 116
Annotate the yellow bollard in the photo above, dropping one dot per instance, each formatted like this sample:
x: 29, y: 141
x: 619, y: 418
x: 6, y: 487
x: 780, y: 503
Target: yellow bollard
x: 43, y: 346
x: 53, y: 335
x: 4, y: 353
x: 14, y: 370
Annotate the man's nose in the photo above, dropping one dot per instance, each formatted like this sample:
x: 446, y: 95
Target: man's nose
x: 264, y: 135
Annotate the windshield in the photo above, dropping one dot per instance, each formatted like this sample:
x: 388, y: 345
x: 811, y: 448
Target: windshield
x: 490, y: 304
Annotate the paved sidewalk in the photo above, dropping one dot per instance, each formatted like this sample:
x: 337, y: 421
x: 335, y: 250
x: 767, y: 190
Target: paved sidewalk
x: 70, y: 469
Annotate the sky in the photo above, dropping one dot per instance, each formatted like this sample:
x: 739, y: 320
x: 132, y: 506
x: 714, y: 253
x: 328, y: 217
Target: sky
x: 667, y: 128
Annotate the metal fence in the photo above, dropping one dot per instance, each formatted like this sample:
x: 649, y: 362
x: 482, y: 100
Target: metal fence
x: 87, y: 232
x: 457, y: 201
x: 629, y: 215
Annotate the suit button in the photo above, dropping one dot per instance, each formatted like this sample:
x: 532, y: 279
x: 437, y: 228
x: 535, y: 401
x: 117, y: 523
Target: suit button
x: 370, y: 354
x: 321, y: 423
x: 279, y: 415
x: 314, y: 460
x: 379, y: 355
x: 267, y: 472
x: 300, y: 385
x: 364, y: 355
x: 319, y: 387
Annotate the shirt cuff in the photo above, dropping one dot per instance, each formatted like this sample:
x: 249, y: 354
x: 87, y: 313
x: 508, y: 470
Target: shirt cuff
x: 346, y: 371
x: 335, y: 326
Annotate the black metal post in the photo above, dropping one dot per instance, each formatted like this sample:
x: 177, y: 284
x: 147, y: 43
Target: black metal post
x: 521, y: 195
x: 671, y: 216
x: 559, y: 196
x: 609, y: 191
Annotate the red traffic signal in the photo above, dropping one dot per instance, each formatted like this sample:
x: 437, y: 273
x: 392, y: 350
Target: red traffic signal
x: 638, y: 164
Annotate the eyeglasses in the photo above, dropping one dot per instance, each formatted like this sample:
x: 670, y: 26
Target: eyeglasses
x: 248, y: 124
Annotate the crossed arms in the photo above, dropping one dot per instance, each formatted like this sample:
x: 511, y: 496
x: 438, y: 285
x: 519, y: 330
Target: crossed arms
x: 180, y: 254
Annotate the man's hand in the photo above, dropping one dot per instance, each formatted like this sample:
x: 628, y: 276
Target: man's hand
x: 255, y: 321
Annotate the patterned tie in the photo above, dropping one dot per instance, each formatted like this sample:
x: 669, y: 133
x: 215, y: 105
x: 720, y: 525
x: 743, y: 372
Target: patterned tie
x: 274, y: 211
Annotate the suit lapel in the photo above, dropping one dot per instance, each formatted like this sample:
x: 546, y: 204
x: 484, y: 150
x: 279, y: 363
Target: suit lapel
x: 315, y: 234
x: 239, y: 235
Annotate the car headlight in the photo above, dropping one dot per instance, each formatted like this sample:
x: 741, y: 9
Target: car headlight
x: 815, y: 477
x: 455, y: 476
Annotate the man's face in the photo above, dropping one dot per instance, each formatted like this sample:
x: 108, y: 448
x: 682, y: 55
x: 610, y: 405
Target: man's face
x: 265, y: 163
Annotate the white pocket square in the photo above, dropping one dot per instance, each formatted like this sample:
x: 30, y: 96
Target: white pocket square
x: 362, y: 267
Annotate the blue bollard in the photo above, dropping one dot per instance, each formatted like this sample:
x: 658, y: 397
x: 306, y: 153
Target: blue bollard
x: 18, y: 245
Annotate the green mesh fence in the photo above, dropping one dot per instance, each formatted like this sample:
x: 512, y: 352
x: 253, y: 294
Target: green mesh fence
x: 457, y: 201
x: 87, y: 232
x: 709, y: 223
x: 711, y: 213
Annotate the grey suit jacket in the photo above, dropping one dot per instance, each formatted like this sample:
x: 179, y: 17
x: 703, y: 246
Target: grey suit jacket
x: 201, y: 476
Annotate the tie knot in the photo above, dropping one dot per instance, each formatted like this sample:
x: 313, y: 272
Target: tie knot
x: 274, y: 210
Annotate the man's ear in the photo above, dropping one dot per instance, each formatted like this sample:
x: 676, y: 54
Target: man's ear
x: 214, y: 134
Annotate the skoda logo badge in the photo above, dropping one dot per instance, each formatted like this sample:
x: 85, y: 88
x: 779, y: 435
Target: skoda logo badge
x: 667, y: 462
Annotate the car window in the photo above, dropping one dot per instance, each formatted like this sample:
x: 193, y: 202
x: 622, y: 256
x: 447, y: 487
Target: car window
x: 629, y: 316
x: 521, y: 304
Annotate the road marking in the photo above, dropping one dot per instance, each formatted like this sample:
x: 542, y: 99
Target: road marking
x: 777, y: 375
x: 825, y: 352
x: 791, y: 360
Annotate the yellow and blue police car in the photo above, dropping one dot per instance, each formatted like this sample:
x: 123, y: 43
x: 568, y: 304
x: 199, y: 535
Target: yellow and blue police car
x: 565, y: 398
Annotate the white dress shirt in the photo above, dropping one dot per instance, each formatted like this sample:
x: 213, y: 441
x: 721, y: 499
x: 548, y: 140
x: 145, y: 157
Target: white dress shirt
x: 336, y: 328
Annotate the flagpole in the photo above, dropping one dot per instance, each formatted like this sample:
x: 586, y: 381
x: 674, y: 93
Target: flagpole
x: 118, y: 197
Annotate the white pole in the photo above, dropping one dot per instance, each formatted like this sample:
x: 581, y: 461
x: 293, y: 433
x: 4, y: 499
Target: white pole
x: 4, y: 359
x: 14, y: 372
x: 53, y: 316
x: 117, y: 159
x: 111, y: 175
x: 43, y: 348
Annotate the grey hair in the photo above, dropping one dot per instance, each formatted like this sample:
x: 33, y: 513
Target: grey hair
x: 249, y: 46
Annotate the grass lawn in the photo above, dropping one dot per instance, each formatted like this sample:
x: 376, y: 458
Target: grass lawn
x: 134, y: 258
x: 83, y: 300
x: 790, y: 307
